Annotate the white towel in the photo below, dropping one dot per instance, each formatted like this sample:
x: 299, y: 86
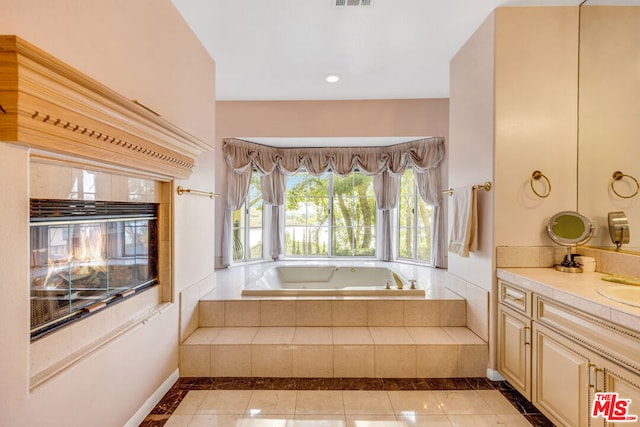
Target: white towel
x: 464, y: 227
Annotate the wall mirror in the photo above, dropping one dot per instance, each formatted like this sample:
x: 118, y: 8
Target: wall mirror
x: 609, y: 112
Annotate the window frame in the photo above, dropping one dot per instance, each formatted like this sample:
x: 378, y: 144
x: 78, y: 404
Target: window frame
x: 417, y: 200
x: 330, y: 226
x: 246, y: 228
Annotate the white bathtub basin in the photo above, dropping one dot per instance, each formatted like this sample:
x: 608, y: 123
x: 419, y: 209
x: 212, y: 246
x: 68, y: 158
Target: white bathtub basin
x: 330, y: 280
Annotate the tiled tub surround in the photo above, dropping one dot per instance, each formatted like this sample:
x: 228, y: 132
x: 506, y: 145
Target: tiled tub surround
x: 402, y: 337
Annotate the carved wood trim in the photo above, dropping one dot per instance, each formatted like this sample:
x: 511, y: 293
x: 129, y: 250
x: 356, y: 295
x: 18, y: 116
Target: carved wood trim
x: 49, y: 105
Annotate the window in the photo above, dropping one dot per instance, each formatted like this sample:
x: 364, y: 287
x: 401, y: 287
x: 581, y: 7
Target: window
x: 354, y: 216
x: 307, y: 209
x: 330, y: 216
x: 247, y: 225
x: 414, y: 221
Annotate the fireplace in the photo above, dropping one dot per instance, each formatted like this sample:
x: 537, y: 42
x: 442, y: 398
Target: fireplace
x: 86, y: 255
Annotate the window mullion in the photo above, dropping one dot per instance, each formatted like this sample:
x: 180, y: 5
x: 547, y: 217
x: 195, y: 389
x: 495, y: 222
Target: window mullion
x: 415, y: 221
x: 330, y: 217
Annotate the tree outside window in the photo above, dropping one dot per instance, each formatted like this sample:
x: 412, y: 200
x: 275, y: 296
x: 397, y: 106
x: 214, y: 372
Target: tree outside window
x: 354, y: 216
x: 330, y: 216
x: 414, y: 221
x: 247, y: 225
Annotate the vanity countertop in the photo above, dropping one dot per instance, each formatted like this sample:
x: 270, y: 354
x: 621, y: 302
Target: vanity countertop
x: 578, y: 290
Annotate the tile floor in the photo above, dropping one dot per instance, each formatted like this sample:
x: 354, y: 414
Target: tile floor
x: 341, y: 402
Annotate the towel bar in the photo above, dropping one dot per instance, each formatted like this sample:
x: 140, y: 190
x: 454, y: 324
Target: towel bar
x: 486, y: 186
x: 211, y: 195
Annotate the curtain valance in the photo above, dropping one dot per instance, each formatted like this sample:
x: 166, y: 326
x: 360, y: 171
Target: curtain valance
x: 422, y: 155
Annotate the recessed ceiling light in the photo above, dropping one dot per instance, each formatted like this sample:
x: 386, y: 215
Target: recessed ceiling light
x: 332, y: 78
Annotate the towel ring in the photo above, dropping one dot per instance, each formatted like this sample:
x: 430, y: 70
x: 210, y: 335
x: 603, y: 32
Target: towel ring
x: 617, y: 176
x: 536, y: 175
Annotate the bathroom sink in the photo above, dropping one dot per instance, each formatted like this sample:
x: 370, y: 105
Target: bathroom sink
x: 623, y: 293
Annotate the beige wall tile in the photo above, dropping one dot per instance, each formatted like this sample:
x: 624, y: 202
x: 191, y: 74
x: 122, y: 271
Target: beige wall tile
x: 313, y: 335
x: 349, y: 313
x: 437, y: 361
x: 390, y: 335
x: 195, y: 361
x: 430, y: 335
x: 395, y: 361
x: 49, y: 181
x: 202, y: 336
x: 231, y: 360
x: 385, y: 313
x: 472, y: 360
x: 210, y: 314
x: 242, y: 313
x: 274, y: 335
x: 352, y: 335
x: 278, y: 313
x: 421, y: 313
x: 313, y: 313
x: 314, y: 361
x: 517, y: 256
x: 453, y: 313
x: 353, y: 360
x: 462, y: 335
x: 477, y: 307
x: 272, y: 360
x: 236, y: 335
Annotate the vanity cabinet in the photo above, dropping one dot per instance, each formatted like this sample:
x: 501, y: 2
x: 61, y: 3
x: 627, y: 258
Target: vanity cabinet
x: 561, y: 376
x: 558, y: 356
x: 514, y: 331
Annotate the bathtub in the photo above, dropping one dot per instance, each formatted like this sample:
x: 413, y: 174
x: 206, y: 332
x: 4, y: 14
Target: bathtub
x: 330, y: 280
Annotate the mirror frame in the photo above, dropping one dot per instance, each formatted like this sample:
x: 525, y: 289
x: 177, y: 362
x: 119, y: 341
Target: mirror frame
x: 564, y: 241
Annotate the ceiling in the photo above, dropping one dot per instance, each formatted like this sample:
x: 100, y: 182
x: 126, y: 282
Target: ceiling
x: 282, y: 49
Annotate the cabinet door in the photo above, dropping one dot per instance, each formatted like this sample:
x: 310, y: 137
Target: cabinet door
x: 560, y: 378
x: 612, y: 378
x: 514, y: 349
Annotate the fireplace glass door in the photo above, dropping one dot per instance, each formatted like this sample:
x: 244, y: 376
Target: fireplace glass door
x: 78, y: 266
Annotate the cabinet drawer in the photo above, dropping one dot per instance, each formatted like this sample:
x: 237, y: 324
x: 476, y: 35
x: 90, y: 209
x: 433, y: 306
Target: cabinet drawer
x: 514, y: 297
x: 617, y: 343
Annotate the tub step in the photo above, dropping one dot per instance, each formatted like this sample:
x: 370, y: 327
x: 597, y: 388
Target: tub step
x: 332, y: 312
x: 334, y: 351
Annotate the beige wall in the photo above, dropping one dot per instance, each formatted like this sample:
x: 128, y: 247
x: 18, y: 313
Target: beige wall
x: 143, y: 50
x: 513, y: 111
x: 376, y: 118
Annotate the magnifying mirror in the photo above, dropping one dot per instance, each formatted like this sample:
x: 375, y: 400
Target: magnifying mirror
x: 568, y: 228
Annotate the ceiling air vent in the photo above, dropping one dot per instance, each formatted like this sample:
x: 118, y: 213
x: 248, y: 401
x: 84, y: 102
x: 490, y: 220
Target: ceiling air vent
x: 341, y: 3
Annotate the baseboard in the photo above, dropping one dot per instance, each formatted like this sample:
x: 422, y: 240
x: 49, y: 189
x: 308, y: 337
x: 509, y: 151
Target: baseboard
x: 153, y: 400
x: 493, y: 375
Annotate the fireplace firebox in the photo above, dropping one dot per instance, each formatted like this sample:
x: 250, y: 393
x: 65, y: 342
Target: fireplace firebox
x: 86, y: 255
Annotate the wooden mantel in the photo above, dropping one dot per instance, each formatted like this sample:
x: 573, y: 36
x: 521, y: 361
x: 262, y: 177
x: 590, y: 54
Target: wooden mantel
x: 48, y: 105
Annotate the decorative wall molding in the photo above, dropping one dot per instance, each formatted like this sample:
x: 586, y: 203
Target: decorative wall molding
x: 49, y: 105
